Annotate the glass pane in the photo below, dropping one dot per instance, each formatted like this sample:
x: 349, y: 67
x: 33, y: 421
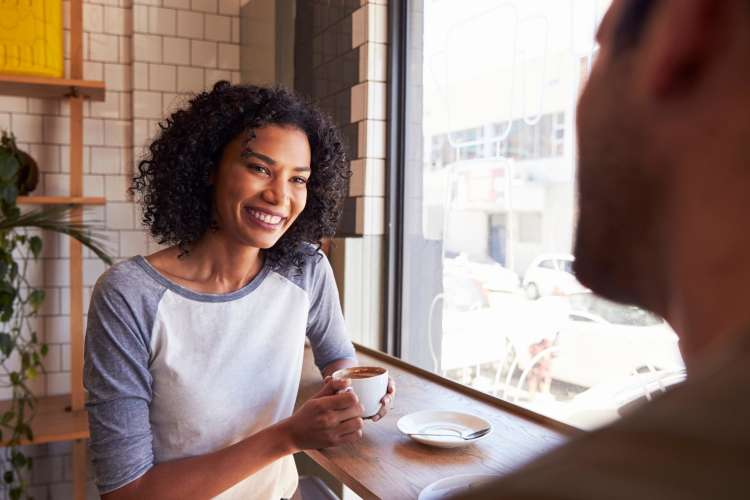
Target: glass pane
x: 490, y: 295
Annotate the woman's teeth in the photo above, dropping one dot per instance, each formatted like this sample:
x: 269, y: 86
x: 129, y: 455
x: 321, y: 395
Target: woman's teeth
x: 268, y: 219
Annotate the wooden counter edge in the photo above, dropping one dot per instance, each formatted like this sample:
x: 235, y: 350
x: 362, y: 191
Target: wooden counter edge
x: 547, y: 422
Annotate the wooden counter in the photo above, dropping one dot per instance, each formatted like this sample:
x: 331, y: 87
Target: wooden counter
x: 386, y: 464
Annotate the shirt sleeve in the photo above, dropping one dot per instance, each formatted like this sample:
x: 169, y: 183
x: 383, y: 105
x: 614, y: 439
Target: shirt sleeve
x: 118, y: 382
x: 325, y: 327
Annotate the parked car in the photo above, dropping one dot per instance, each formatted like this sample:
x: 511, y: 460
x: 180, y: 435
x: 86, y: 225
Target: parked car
x: 605, y: 403
x: 597, y: 341
x: 468, y: 337
x: 551, y: 274
x: 483, y: 268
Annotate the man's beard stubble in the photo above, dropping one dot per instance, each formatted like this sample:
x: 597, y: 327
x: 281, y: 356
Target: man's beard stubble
x: 617, y: 247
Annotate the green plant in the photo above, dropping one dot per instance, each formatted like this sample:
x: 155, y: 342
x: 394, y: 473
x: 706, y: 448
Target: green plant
x: 21, y: 352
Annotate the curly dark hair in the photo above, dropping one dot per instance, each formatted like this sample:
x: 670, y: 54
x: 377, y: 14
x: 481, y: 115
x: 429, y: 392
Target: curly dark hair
x: 173, y: 180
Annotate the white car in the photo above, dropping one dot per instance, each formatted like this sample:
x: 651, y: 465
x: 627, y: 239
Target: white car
x: 490, y: 274
x: 551, y: 274
x: 596, y: 341
x: 605, y: 403
x: 468, y: 336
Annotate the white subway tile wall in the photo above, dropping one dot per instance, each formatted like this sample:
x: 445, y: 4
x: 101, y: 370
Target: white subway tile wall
x: 152, y: 54
x: 203, y: 54
x: 368, y: 111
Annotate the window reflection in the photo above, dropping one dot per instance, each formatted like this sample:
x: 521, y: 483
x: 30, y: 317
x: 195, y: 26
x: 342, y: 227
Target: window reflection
x: 493, y: 205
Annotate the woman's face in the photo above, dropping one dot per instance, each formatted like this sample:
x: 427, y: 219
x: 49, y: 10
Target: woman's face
x: 260, y: 187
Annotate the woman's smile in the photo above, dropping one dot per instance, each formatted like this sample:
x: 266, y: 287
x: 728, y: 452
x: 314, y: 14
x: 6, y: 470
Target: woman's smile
x: 264, y: 219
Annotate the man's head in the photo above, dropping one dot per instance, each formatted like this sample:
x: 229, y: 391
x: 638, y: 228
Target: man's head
x: 663, y: 124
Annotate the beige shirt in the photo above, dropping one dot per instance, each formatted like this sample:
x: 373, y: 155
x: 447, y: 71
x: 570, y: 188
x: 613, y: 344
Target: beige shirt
x: 692, y: 443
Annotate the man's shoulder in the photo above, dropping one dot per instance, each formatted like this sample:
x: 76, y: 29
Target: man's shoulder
x: 689, y: 443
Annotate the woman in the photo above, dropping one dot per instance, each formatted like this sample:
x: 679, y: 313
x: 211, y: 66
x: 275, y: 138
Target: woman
x: 194, y: 353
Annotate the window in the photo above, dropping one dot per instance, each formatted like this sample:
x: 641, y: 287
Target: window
x: 488, y: 294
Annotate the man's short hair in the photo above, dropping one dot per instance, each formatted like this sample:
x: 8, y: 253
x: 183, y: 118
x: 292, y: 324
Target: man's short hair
x: 632, y: 22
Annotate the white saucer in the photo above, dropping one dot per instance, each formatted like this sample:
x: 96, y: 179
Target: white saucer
x: 442, y: 422
x: 448, y: 487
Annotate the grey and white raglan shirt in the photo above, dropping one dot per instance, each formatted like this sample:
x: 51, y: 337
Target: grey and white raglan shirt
x: 172, y: 373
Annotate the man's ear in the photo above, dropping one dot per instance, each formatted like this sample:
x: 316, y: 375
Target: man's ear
x: 680, y: 44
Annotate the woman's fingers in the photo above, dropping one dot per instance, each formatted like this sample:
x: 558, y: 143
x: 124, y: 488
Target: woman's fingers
x: 391, y: 388
x: 351, y: 437
x: 339, y: 401
x: 385, y: 405
x: 351, y: 425
x: 354, y: 411
x: 387, y: 401
x: 332, y: 386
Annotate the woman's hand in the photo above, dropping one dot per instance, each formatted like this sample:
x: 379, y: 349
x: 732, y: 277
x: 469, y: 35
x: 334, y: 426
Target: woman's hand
x: 387, y: 401
x: 330, y: 418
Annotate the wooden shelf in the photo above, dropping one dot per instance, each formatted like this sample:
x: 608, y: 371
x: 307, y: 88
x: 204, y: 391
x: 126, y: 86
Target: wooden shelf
x: 54, y: 421
x: 61, y: 200
x: 35, y: 86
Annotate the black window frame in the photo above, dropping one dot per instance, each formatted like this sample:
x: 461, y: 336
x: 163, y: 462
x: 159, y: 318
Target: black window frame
x: 397, y: 63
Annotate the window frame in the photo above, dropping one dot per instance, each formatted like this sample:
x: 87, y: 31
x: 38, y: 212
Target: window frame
x: 396, y: 147
x: 398, y: 63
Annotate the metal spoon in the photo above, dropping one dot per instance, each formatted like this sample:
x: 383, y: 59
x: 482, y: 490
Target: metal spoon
x: 466, y: 437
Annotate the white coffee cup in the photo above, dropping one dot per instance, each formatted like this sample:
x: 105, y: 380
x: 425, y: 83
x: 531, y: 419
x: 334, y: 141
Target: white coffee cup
x: 370, y: 384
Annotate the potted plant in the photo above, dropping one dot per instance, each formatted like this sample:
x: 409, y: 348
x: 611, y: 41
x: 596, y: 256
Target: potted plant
x: 27, y: 174
x: 21, y: 351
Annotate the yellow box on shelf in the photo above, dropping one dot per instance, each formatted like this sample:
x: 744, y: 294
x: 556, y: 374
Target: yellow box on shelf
x: 31, y: 37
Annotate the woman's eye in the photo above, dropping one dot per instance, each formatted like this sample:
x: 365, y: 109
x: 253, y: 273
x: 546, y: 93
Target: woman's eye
x: 299, y: 180
x: 258, y: 168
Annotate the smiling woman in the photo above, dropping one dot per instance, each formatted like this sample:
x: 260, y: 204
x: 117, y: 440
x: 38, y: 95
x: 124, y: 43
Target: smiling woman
x: 176, y: 180
x: 194, y: 353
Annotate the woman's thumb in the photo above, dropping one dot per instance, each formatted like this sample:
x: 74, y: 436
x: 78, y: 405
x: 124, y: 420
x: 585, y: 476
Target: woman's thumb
x: 332, y: 386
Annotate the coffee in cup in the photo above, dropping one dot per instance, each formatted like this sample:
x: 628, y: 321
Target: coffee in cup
x: 369, y: 383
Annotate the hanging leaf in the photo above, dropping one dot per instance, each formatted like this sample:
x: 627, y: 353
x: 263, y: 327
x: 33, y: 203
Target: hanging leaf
x: 35, y: 244
x: 9, y: 165
x: 17, y: 459
x: 6, y: 312
x: 31, y: 373
x: 8, y: 193
x: 36, y: 298
x: 6, y: 344
x: 8, y: 476
x: 7, y: 417
x: 11, y: 211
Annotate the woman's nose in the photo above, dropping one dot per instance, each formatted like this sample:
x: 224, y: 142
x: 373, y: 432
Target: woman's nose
x: 276, y: 193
